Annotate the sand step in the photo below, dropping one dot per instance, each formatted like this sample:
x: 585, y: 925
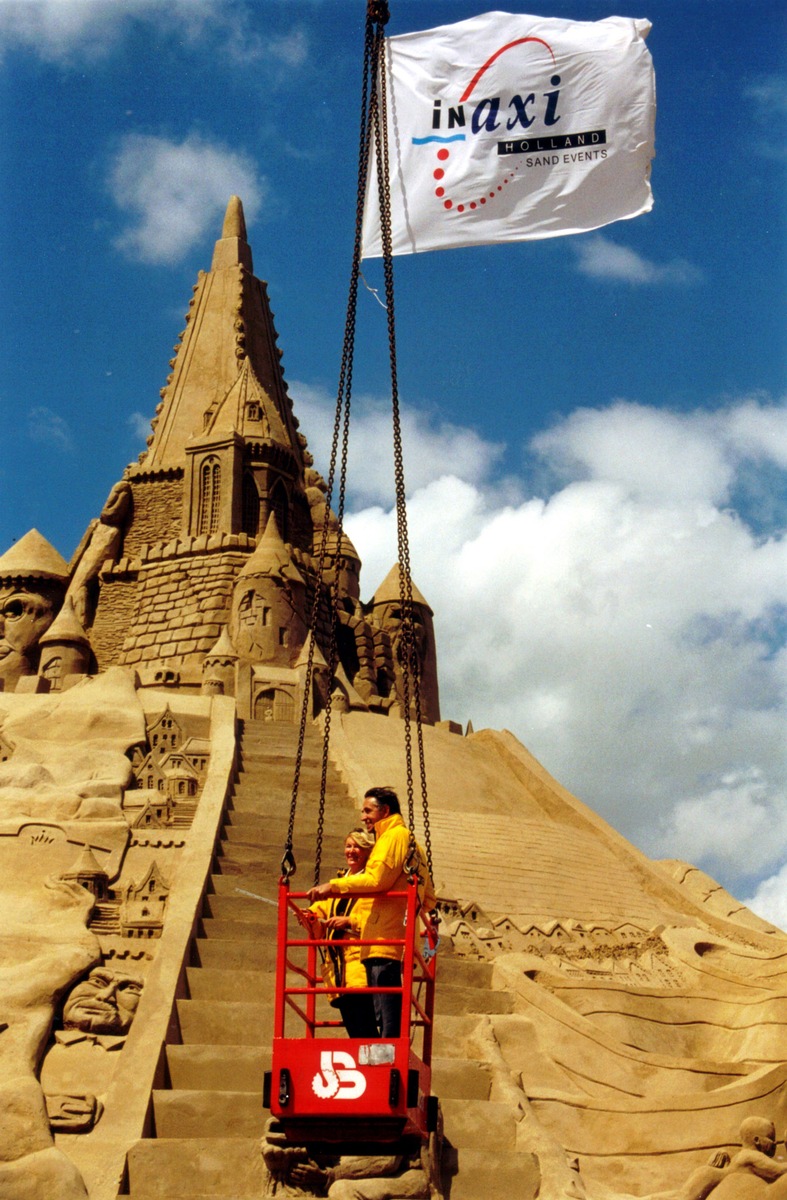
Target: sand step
x: 491, y: 1174
x: 479, y: 1124
x: 452, y: 1033
x: 454, y: 998
x: 184, y: 1168
x: 208, y: 1114
x: 228, y: 953
x: 453, y: 968
x: 199, y: 1067
x: 460, y: 1079
x: 233, y: 908
x: 264, y: 928
x: 211, y: 983
x: 220, y: 1022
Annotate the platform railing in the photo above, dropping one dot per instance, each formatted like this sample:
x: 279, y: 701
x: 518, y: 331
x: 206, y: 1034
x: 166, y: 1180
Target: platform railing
x: 300, y: 999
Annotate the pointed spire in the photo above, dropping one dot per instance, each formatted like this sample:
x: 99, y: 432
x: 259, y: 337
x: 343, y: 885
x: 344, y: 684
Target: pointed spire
x: 318, y: 659
x: 66, y: 627
x: 33, y: 557
x: 389, y: 591
x: 234, y: 220
x: 223, y: 649
x: 229, y: 322
x: 86, y: 864
x: 271, y: 556
x: 232, y: 248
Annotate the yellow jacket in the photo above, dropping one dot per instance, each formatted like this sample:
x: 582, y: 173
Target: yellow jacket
x: 384, y: 871
x: 354, y: 971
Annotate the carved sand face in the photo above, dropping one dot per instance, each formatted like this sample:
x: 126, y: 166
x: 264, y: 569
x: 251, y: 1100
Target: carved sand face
x: 25, y: 617
x: 105, y: 1002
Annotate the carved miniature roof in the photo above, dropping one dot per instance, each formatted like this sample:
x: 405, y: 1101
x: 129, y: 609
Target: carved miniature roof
x: 229, y: 322
x: 66, y: 626
x: 86, y: 864
x: 389, y: 590
x: 318, y: 658
x: 33, y: 557
x: 248, y: 409
x: 196, y: 745
x: 271, y: 556
x: 223, y: 648
x: 153, y: 873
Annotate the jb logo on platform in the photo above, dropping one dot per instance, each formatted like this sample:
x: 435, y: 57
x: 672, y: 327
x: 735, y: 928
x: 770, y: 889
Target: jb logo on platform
x: 337, y: 1078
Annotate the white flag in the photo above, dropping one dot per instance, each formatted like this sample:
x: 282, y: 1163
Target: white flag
x: 509, y: 127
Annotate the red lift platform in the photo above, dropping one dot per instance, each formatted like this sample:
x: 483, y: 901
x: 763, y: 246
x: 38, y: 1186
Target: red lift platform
x: 327, y: 1088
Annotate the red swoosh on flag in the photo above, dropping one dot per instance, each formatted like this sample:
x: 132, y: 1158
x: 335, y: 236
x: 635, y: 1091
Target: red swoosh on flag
x: 495, y: 56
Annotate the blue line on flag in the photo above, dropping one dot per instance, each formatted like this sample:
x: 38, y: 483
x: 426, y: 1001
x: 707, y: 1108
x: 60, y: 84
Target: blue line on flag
x: 458, y: 137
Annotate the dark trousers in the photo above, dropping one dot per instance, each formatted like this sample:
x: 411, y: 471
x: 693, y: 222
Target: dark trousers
x: 386, y: 972
x: 358, y: 1015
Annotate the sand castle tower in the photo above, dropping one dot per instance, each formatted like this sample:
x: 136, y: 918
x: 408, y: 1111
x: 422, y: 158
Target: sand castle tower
x: 218, y: 527
x: 33, y: 579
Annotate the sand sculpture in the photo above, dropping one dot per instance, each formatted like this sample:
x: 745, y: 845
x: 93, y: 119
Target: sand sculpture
x: 611, y: 1027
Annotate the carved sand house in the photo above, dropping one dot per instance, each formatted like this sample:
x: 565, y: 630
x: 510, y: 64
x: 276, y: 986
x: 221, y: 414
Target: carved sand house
x: 607, y: 1027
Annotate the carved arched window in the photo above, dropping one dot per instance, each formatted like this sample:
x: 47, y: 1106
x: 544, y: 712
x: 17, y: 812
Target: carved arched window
x: 210, y: 496
x: 250, y: 519
x: 281, y: 508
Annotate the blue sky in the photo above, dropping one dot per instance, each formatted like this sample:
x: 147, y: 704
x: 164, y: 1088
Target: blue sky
x: 596, y: 425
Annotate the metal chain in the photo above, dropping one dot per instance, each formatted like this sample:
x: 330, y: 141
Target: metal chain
x: 410, y: 664
x: 377, y: 13
x: 373, y: 121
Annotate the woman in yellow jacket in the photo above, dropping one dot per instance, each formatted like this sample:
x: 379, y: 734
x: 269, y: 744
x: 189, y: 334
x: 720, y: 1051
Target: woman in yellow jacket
x: 337, y: 917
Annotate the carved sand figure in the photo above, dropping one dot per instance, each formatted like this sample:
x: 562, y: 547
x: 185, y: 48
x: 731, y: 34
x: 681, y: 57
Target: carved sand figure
x: 105, y: 1002
x: 45, y: 944
x: 100, y: 545
x: 292, y: 1171
x: 59, y: 789
x: 752, y: 1172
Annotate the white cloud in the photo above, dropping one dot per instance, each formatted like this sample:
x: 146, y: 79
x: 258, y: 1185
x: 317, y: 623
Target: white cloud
x: 769, y: 95
x: 647, y: 451
x: 628, y: 625
x: 71, y: 32
x: 770, y: 898
x: 174, y: 192
x: 139, y: 425
x: 602, y: 258
x: 431, y: 447
x: 44, y: 425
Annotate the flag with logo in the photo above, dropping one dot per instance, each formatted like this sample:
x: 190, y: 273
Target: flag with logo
x: 509, y: 127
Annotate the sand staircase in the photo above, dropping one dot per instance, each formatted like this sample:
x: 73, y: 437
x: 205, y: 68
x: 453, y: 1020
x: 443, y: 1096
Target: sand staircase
x: 208, y: 1116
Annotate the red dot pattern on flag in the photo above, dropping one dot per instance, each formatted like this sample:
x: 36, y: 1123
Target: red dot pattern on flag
x: 439, y: 173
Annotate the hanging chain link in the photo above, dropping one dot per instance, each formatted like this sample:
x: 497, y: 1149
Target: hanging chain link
x: 409, y: 656
x: 377, y: 14
x: 373, y: 123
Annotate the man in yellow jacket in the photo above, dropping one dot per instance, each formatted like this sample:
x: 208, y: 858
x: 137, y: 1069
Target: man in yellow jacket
x: 384, y: 872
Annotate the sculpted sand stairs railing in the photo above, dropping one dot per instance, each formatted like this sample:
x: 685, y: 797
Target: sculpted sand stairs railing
x: 207, y: 1115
